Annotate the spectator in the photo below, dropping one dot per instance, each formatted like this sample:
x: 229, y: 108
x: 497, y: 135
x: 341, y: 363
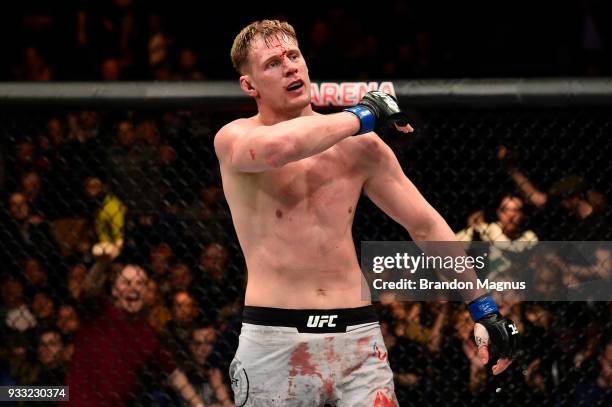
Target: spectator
x: 134, y: 168
x: 573, y: 211
x: 115, y: 341
x: 20, y: 367
x: 160, y: 257
x: 67, y: 320
x: 184, y: 314
x: 44, y: 308
x: 84, y: 126
x: 31, y: 185
x: 214, y: 288
x: 159, y: 315
x: 110, y: 70
x: 17, y: 315
x: 207, y: 380
x: 76, y: 279
x: 597, y: 392
x: 35, y: 274
x: 188, y: 70
x: 51, y: 370
x: 181, y: 277
x: 208, y: 218
x: 34, y: 67
x: 508, y: 241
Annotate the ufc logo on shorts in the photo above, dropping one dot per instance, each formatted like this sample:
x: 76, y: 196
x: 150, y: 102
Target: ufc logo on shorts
x: 513, y: 329
x: 319, y: 321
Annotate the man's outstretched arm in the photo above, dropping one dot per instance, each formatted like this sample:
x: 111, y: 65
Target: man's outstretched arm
x: 389, y: 188
x: 249, y: 148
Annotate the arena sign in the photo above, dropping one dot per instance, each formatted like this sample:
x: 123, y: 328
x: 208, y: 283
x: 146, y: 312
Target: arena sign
x: 345, y: 93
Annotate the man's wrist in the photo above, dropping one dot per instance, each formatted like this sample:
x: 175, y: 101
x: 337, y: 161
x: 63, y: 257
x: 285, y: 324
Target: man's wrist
x: 481, y: 307
x: 367, y: 120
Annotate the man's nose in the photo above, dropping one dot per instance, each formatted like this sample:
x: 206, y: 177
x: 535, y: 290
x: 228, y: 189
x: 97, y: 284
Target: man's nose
x: 290, y: 67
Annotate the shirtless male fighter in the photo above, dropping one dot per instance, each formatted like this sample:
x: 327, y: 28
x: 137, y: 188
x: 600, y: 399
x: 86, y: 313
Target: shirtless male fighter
x: 292, y: 179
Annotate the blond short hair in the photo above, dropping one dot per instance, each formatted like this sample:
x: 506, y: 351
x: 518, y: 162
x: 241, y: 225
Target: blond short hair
x: 267, y: 29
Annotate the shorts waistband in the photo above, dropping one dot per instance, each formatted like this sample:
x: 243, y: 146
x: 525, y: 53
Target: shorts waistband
x: 310, y: 320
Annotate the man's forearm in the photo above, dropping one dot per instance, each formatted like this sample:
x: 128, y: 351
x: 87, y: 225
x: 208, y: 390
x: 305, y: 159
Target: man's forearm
x: 529, y: 191
x: 314, y: 134
x: 436, y: 238
x: 96, y: 277
x: 292, y: 140
x: 180, y: 383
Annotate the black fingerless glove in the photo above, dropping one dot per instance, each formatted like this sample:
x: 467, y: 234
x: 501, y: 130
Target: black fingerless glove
x: 378, y: 111
x: 503, y: 333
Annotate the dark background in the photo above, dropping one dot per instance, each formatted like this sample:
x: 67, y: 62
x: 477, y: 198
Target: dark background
x: 391, y: 39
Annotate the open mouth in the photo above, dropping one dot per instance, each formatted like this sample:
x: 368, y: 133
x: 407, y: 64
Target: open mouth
x: 295, y: 85
x: 132, y: 298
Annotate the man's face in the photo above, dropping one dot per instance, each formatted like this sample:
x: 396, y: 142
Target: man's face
x: 50, y: 349
x: 202, y: 342
x: 25, y: 153
x: 547, y: 281
x: 43, y: 306
x: 276, y: 75
x: 183, y: 308
x: 67, y: 319
x: 93, y: 187
x: 34, y: 272
x: 214, y: 259
x: 130, y: 289
x: 180, y: 277
x: 76, y: 276
x: 159, y: 258
x: 31, y: 183
x: 126, y: 133
x: 55, y: 131
x: 18, y: 205
x: 12, y: 291
x: 510, y: 214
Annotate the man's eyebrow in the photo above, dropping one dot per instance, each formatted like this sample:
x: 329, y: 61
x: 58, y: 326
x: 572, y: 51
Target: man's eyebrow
x: 276, y: 55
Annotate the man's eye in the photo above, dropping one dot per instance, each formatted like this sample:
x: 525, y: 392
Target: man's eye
x: 273, y: 64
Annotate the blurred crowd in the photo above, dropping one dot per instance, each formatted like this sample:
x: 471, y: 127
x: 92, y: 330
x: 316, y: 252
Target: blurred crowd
x: 153, y: 40
x: 119, y: 218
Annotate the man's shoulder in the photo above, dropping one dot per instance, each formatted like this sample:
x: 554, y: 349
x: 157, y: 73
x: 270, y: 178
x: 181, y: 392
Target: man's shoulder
x: 237, y: 127
x: 230, y: 131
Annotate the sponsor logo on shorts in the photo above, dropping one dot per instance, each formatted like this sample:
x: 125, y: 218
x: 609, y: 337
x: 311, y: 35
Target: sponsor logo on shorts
x: 379, y: 354
x: 319, y: 321
x: 240, y: 383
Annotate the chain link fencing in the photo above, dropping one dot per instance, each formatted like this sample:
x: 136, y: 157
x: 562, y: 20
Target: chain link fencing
x: 80, y: 186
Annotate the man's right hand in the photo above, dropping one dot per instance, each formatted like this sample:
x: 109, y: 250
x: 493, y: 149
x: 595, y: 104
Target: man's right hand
x: 105, y: 251
x: 379, y: 111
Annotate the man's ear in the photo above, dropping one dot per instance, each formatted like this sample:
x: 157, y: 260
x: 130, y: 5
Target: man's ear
x: 246, y: 83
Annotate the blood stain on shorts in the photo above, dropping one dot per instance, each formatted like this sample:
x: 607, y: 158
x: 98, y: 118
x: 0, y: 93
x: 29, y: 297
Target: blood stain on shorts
x: 364, y: 341
x: 330, y: 353
x: 328, y: 387
x: 300, y: 362
x: 382, y: 400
